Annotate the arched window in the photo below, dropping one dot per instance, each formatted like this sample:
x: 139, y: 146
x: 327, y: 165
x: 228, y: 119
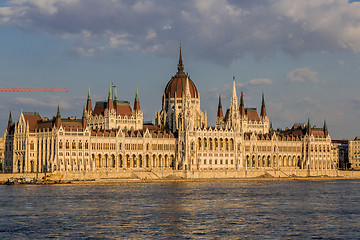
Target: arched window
x: 113, y: 161
x: 120, y: 161
x: 140, y: 161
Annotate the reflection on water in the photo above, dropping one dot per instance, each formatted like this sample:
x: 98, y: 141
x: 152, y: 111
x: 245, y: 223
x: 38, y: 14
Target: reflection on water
x: 186, y: 210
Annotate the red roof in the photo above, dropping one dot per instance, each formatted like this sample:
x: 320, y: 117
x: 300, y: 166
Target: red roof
x: 122, y: 108
x: 151, y: 127
x: 32, y: 120
x: 71, y: 125
x: 252, y: 114
x: 177, y: 84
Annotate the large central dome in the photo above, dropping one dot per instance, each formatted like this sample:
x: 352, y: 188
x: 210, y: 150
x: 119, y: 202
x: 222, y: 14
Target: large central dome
x: 177, y: 83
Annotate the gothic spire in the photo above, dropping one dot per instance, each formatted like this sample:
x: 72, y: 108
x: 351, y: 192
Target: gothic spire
x: 263, y: 109
x: 83, y: 119
x: 136, y: 102
x: 58, y: 112
x: 10, y: 119
x: 109, y: 95
x: 325, y: 129
x: 180, y: 64
x: 308, y: 127
x: 187, y: 88
x: 137, y: 93
x: 110, y: 104
x: 88, y: 103
x: 58, y: 118
x: 220, y: 111
x: 233, y: 90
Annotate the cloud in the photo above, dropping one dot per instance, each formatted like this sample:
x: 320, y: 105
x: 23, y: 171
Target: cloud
x: 52, y: 102
x: 229, y: 28
x: 310, y: 103
x: 303, y: 75
x: 356, y: 103
x: 260, y: 81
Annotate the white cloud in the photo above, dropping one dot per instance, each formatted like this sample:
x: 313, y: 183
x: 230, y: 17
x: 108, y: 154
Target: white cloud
x: 303, y: 75
x: 260, y: 81
x: 51, y: 102
x: 229, y: 28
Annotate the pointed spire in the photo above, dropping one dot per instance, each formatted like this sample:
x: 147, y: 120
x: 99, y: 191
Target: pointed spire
x: 58, y: 118
x: 325, y: 129
x: 187, y: 88
x: 136, y: 102
x: 308, y: 127
x: 58, y: 112
x: 220, y: 111
x: 180, y: 64
x: 263, y: 109
x: 83, y: 119
x: 10, y: 119
x: 109, y: 95
x: 234, y: 89
x: 88, y: 103
x: 137, y: 93
x: 242, y: 107
x: 110, y: 104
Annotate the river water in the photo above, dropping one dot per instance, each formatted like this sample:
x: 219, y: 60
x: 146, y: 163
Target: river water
x: 328, y: 209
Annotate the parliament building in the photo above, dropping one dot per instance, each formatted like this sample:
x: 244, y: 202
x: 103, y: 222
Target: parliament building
x: 111, y: 136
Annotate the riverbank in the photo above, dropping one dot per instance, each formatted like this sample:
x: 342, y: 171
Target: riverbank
x: 120, y: 181
x: 129, y: 175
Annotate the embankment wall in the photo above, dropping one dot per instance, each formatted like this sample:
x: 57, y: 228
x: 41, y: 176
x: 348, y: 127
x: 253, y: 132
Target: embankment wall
x: 175, y: 175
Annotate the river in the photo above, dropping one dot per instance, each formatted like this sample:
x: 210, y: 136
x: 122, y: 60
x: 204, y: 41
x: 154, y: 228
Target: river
x: 328, y: 209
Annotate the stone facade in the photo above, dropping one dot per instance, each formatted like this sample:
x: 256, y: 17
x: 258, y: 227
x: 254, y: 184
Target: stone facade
x: 111, y: 137
x: 354, y: 153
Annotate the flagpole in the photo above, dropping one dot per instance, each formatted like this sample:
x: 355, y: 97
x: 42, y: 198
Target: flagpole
x: 112, y: 90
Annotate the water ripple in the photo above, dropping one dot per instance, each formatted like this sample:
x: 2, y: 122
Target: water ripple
x: 185, y: 210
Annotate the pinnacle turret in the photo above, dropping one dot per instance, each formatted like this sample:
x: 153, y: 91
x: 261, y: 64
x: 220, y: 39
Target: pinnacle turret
x: 110, y: 104
x: 308, y: 127
x: 58, y: 112
x: 136, y: 102
x: 325, y: 129
x: 263, y: 109
x: 88, y: 103
x: 83, y: 119
x: 220, y: 111
x: 58, y: 118
x: 10, y: 119
x: 180, y: 64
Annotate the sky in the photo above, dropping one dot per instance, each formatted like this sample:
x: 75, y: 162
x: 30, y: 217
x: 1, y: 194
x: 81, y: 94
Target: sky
x: 303, y: 55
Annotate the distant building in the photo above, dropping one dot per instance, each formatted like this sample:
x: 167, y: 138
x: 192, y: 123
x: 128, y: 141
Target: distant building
x: 112, y: 137
x: 2, y: 148
x: 354, y: 153
x: 342, y: 147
